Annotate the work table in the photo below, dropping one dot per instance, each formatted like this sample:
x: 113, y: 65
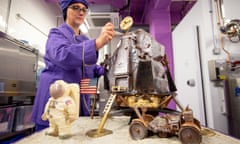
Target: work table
x: 119, y: 126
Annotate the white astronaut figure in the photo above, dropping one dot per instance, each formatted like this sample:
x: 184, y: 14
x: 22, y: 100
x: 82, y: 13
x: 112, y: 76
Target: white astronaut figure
x: 62, y: 108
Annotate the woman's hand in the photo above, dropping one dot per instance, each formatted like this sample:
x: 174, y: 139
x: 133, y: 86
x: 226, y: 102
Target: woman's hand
x: 106, y: 35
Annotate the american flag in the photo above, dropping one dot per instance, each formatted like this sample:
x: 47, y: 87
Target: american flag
x: 88, y: 86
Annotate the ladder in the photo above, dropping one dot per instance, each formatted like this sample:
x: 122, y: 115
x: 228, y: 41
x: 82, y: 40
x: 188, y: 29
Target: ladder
x: 100, y: 131
x: 109, y: 103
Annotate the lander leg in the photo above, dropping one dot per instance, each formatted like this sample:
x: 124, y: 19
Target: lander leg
x: 100, y: 131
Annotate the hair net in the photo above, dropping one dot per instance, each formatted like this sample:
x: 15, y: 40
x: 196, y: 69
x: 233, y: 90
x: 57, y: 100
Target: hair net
x: 65, y: 3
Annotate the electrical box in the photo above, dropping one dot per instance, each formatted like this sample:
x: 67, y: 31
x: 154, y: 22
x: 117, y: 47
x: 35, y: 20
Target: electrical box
x: 217, y: 69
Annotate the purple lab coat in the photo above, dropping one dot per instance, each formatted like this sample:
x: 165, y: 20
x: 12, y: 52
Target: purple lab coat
x: 64, y: 61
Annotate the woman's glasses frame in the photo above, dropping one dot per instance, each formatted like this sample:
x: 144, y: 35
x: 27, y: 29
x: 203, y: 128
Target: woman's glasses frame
x: 78, y: 9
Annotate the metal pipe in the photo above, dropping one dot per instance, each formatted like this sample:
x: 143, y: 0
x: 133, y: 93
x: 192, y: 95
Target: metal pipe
x: 216, y: 50
x: 144, y: 12
x: 222, y: 14
x: 201, y: 72
x: 7, y: 16
x: 125, y: 6
x: 219, y: 6
x: 19, y: 16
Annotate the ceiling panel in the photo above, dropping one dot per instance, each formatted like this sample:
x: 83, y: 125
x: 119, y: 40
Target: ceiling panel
x: 138, y: 8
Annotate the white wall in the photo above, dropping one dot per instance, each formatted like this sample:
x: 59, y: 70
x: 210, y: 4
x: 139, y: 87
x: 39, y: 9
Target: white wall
x: 186, y: 62
x: 3, y: 14
x: 41, y: 17
x: 192, y: 63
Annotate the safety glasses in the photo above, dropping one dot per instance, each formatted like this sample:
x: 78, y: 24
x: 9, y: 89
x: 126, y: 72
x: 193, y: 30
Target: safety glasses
x: 78, y: 9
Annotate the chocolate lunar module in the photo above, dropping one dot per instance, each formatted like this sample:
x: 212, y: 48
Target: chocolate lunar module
x: 139, y: 78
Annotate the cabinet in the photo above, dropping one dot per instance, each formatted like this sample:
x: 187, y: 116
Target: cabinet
x: 18, y: 69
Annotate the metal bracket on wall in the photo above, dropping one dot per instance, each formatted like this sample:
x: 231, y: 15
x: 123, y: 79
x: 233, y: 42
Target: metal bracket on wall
x: 20, y: 17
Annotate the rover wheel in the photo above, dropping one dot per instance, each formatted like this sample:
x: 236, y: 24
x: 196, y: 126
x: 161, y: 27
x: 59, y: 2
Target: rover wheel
x: 138, y: 130
x: 190, y: 135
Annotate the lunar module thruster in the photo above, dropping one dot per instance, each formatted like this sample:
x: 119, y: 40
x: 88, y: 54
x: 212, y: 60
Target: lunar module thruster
x: 139, y: 78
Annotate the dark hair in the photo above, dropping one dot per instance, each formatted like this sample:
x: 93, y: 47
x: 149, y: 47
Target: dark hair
x: 64, y: 14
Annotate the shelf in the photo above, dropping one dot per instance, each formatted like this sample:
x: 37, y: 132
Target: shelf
x: 10, y: 135
x: 12, y: 93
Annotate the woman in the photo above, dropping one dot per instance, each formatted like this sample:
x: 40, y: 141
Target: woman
x: 70, y: 56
